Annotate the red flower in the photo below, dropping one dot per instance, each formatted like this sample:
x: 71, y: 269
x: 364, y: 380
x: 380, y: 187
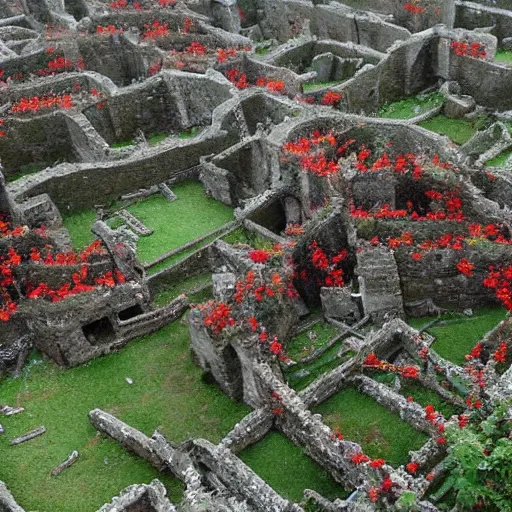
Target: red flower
x: 377, y: 463
x: 387, y: 484
x: 412, y: 467
x: 465, y: 267
x: 359, y: 458
x: 275, y: 347
x: 373, y: 494
x: 259, y: 256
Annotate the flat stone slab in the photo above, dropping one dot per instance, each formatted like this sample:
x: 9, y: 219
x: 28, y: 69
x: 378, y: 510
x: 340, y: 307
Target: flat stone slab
x: 28, y: 436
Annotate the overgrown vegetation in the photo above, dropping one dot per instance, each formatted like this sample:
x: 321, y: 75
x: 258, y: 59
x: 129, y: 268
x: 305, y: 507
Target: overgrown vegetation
x: 168, y: 393
x: 312, y: 86
x: 380, y: 432
x: 479, y: 465
x: 288, y: 470
x: 189, y: 286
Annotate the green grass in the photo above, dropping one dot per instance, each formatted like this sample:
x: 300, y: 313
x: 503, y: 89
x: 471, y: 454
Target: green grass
x: 461, y: 333
x: 500, y: 160
x: 312, y: 86
x: 288, y: 470
x: 380, y: 432
x: 458, y: 130
x: 191, y: 132
x: 301, y: 346
x: 177, y: 222
x: 155, y: 138
x: 168, y: 393
x: 242, y: 236
x: 412, y: 107
x: 421, y: 394
x: 79, y: 226
x: 26, y: 170
x: 504, y: 56
x: 173, y: 290
x: 328, y: 361
x: 456, y: 339
x: 122, y: 144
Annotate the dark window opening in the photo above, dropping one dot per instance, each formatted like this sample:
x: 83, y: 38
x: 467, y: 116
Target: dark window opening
x: 130, y: 312
x: 100, y: 331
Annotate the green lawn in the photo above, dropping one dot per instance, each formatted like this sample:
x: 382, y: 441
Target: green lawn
x: 79, y: 226
x: 500, y: 160
x: 173, y: 290
x: 242, y: 236
x: 412, y: 107
x: 458, y: 130
x: 174, y: 222
x: 456, y: 339
x: 461, y: 333
x: 288, y: 470
x: 168, y: 393
x: 380, y: 432
x: 421, y: 394
x: 504, y: 56
x: 301, y: 346
x: 177, y: 222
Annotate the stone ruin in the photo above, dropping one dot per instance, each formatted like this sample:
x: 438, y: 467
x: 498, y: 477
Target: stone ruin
x: 370, y: 219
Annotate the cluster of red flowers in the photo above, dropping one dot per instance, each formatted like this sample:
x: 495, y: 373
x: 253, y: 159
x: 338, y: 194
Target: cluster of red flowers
x: 217, y: 316
x: 195, y: 48
x: 155, y: 29
x: 372, y: 361
x: 78, y: 285
x: 138, y: 6
x: 465, y: 267
x: 239, y: 80
x: 500, y: 355
x: 312, y: 153
x: 500, y: 280
x: 36, y: 103
x: 108, y: 29
x: 294, y: 230
x: 414, y: 9
x: 331, y: 98
x: 463, y: 48
x: 260, y: 256
x: 330, y: 267
x: 223, y: 54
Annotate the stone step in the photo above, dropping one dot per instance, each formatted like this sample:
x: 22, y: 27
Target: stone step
x: 138, y: 227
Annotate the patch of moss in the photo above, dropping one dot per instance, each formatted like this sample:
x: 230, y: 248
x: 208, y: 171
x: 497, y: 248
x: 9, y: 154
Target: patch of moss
x: 500, y: 160
x: 312, y: 86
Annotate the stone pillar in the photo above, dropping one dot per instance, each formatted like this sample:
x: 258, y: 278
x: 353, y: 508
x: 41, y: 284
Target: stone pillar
x: 448, y: 13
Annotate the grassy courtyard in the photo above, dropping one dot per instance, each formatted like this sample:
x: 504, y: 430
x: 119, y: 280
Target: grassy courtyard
x: 288, y: 470
x: 412, y: 107
x: 380, y: 432
x: 458, y: 130
x: 168, y: 393
x: 174, y: 222
x: 456, y: 335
